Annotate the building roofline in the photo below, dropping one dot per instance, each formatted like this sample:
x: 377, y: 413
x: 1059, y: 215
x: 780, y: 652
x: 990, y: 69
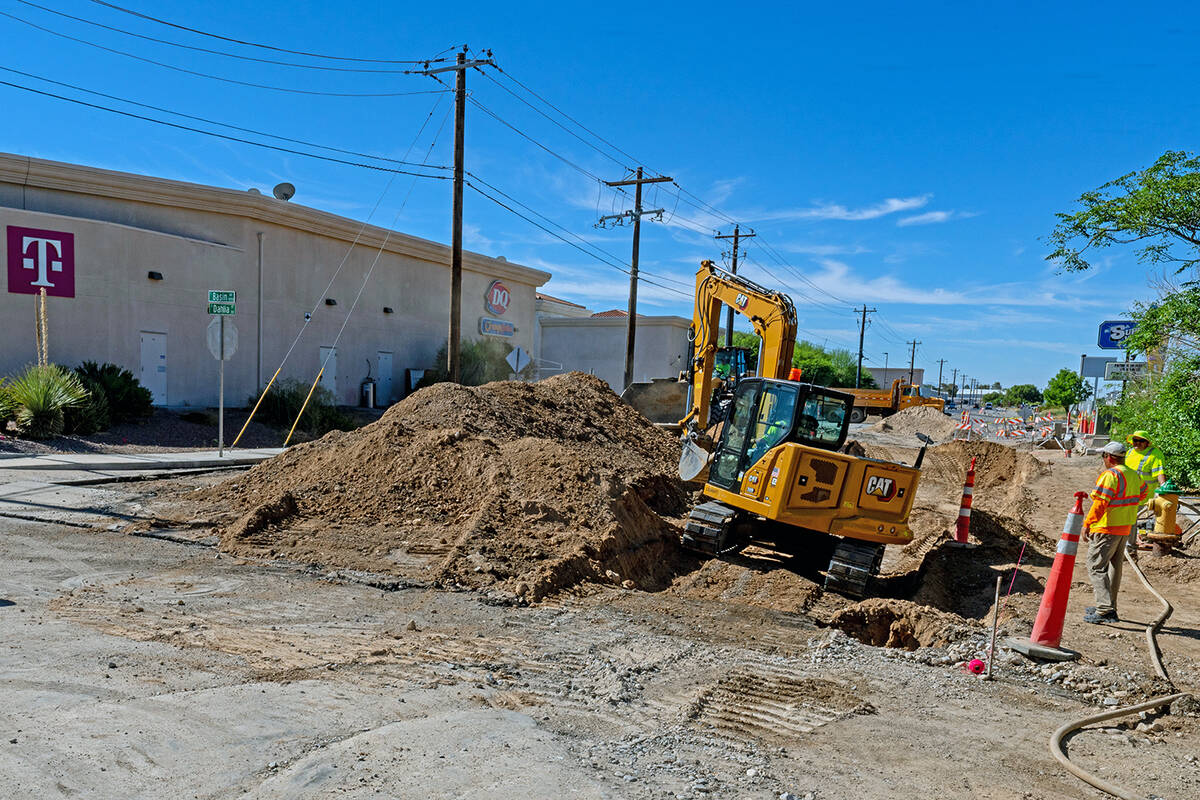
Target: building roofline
x: 77, y: 178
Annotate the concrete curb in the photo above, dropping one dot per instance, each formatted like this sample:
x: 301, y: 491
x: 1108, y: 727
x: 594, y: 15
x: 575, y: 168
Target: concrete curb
x: 110, y: 462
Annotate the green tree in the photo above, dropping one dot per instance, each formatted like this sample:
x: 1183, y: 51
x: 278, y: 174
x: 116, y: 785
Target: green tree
x: 1066, y: 389
x: 993, y: 397
x: 1157, y: 208
x: 1022, y: 393
x: 1157, y: 212
x: 997, y: 385
x: 951, y: 389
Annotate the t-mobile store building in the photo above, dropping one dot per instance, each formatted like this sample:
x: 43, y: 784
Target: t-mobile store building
x: 127, y: 263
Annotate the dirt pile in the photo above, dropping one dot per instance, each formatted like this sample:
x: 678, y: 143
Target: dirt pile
x: 886, y: 622
x: 921, y: 419
x: 528, y: 488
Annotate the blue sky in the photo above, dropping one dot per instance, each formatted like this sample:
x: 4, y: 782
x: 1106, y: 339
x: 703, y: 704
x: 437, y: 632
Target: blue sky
x: 910, y: 158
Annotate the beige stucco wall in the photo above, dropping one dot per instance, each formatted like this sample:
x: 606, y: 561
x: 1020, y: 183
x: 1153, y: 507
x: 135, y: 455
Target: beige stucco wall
x: 203, y: 238
x: 597, y: 345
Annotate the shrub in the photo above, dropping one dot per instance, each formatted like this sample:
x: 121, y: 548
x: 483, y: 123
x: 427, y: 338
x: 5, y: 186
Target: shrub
x: 281, y: 405
x: 480, y: 361
x: 90, y: 416
x: 40, y: 395
x: 127, y: 399
x: 6, y: 405
x: 1169, y: 410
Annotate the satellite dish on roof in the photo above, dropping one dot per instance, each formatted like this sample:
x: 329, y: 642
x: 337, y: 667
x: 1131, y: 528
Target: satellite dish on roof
x: 284, y: 191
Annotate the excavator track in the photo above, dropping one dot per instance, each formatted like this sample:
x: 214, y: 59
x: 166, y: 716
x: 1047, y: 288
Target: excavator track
x: 710, y: 530
x: 852, y: 566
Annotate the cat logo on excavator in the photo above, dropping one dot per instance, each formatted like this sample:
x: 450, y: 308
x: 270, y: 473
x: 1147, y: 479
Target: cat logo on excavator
x: 881, y: 487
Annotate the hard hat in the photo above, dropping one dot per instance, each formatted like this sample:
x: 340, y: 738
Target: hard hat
x: 1168, y: 488
x: 1115, y: 449
x: 1137, y: 435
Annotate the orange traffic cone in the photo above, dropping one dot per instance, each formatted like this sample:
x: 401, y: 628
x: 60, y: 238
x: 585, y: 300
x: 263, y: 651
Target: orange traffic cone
x: 963, y: 528
x: 1044, y: 642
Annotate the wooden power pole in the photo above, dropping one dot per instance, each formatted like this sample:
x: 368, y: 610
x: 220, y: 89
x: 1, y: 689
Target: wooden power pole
x: 631, y: 323
x: 912, y: 360
x: 737, y: 236
x: 941, y: 365
x: 454, y: 340
x: 862, y: 332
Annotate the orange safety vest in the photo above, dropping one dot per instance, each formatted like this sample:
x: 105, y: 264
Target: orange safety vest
x: 1122, y: 488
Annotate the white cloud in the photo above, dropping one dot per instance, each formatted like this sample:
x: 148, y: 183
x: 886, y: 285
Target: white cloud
x: 933, y: 217
x: 837, y: 211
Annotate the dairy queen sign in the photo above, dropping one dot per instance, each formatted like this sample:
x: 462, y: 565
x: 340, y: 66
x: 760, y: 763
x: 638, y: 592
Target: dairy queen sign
x: 497, y: 298
x: 39, y: 260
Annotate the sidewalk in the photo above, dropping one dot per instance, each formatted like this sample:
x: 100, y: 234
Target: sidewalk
x: 142, y: 462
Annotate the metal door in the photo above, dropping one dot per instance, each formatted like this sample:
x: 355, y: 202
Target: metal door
x: 329, y: 377
x: 383, y: 391
x: 153, y: 371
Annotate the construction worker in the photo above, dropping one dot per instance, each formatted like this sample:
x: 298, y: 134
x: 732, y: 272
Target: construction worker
x: 1147, y: 460
x: 1106, y: 528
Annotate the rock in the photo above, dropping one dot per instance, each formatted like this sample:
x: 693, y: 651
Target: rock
x: 752, y: 773
x: 1111, y: 701
x: 412, y: 626
x: 627, y: 584
x: 112, y: 665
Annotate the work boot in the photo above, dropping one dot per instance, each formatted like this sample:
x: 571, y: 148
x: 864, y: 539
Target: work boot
x: 1091, y: 616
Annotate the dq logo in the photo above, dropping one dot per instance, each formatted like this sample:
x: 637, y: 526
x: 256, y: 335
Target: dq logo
x: 497, y: 298
x: 41, y: 260
x: 881, y: 487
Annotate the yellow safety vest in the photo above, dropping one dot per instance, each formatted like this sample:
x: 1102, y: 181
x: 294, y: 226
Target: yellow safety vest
x: 1148, y: 464
x: 1122, y: 487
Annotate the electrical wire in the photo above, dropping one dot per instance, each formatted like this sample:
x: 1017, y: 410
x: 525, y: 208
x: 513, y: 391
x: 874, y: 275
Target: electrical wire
x: 206, y: 49
x: 266, y: 46
x: 220, y: 124
x: 185, y: 71
x: 238, y: 139
x: 563, y: 239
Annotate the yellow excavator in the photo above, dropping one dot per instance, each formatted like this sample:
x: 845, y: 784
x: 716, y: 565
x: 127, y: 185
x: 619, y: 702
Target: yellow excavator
x: 776, y: 473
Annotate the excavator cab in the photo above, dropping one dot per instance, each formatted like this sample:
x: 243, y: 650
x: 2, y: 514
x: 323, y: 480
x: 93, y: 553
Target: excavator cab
x: 766, y: 413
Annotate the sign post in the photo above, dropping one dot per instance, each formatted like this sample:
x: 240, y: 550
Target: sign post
x: 222, y: 343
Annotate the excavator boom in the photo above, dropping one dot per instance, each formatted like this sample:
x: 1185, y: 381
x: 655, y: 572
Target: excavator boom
x: 772, y: 314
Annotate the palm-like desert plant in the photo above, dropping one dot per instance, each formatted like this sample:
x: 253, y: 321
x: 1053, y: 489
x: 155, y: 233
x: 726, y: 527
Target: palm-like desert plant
x: 39, y: 395
x: 6, y: 404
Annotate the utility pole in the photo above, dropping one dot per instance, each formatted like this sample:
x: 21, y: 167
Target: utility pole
x: 454, y: 341
x: 912, y: 360
x: 941, y: 363
x: 954, y: 382
x: 862, y: 332
x: 631, y: 323
x: 737, y: 235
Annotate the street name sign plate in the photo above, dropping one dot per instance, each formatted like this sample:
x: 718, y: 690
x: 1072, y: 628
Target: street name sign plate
x: 1124, y: 370
x: 222, y: 296
x: 221, y: 309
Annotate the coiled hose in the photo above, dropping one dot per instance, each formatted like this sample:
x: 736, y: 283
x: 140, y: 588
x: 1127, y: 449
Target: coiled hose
x: 1056, y: 748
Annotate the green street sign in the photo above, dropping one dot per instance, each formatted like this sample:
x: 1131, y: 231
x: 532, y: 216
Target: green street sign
x: 224, y: 309
x: 222, y: 296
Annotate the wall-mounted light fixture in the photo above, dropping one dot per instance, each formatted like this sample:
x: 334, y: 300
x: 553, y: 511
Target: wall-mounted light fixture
x: 388, y: 310
x: 329, y: 301
x: 154, y: 276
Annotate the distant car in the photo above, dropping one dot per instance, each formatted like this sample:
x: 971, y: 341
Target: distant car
x: 974, y: 405
x: 951, y: 405
x: 987, y: 406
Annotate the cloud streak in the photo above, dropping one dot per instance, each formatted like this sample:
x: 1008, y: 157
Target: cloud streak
x: 837, y: 211
x: 934, y: 217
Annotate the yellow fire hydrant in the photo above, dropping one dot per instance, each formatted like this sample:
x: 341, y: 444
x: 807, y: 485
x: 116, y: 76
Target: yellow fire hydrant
x: 1164, y: 505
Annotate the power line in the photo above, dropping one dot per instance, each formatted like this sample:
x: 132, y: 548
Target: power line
x: 632, y: 160
x: 205, y: 74
x: 263, y: 46
x: 552, y: 120
x: 195, y: 48
x: 222, y: 124
x: 536, y: 224
x: 214, y: 134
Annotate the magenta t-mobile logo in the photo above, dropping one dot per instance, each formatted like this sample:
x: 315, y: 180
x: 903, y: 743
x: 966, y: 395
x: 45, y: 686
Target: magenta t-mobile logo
x: 41, y: 260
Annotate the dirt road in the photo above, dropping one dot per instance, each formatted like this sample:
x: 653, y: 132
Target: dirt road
x: 136, y: 667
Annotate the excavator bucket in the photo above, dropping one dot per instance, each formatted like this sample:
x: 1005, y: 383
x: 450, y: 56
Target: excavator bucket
x: 693, y: 462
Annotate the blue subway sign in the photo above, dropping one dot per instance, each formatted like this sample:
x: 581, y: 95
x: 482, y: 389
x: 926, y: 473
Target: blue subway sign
x: 1114, y: 334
